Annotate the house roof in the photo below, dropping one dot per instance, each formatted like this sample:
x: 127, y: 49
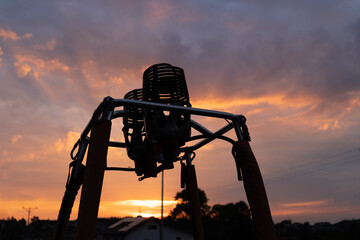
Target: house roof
x: 126, y: 224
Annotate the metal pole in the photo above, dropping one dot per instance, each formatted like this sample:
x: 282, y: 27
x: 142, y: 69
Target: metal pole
x: 28, y: 210
x: 180, y: 109
x: 162, y: 207
x: 93, y: 179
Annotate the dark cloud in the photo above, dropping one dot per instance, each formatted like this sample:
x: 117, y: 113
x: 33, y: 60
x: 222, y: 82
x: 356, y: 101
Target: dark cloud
x: 308, y: 55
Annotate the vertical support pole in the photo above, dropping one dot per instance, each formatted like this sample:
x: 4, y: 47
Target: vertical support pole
x: 162, y: 207
x: 194, y: 199
x: 93, y: 180
x: 255, y: 190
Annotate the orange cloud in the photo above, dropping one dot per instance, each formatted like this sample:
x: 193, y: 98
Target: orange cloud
x: 308, y: 208
x: 50, y: 45
x: 115, y: 79
x: 292, y: 212
x: 307, y: 212
x: 330, y: 125
x: 212, y: 102
x: 313, y: 111
x: 27, y: 63
x: 22, y: 70
x: 66, y: 144
x: 92, y: 74
x: 27, y: 35
x: 1, y: 53
x: 113, y: 83
x: 305, y: 204
x: 16, y: 138
x: 10, y: 35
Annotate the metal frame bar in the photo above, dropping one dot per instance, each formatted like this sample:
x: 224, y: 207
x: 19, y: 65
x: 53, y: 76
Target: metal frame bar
x: 165, y: 107
x: 209, y: 138
x: 235, y: 119
x: 207, y: 135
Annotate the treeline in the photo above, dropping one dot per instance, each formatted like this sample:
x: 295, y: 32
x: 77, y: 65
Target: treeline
x: 221, y: 221
x: 344, y: 230
x: 13, y: 229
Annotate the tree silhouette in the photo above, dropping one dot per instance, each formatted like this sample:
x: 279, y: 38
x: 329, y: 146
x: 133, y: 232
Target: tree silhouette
x: 231, y: 211
x: 182, y: 208
x: 12, y: 229
x: 231, y: 221
x: 222, y: 221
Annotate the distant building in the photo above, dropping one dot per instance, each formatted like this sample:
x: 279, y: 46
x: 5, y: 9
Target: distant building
x: 140, y: 228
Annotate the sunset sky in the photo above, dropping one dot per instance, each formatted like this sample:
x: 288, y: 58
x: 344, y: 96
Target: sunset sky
x: 291, y: 67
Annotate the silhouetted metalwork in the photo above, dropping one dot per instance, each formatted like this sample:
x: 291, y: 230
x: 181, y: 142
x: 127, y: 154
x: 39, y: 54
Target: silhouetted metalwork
x: 157, y: 130
x: 164, y: 83
x: 139, y: 148
x: 28, y: 210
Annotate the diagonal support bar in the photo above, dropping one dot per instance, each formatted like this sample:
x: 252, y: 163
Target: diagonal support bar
x: 93, y: 180
x: 221, y: 131
x: 255, y: 190
x: 72, y: 188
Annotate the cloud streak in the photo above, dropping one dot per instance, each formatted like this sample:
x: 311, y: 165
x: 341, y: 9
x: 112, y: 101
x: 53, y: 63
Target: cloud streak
x: 305, y: 204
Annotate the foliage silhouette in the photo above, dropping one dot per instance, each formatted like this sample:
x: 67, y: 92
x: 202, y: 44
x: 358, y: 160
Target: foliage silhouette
x: 229, y: 221
x: 182, y: 208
